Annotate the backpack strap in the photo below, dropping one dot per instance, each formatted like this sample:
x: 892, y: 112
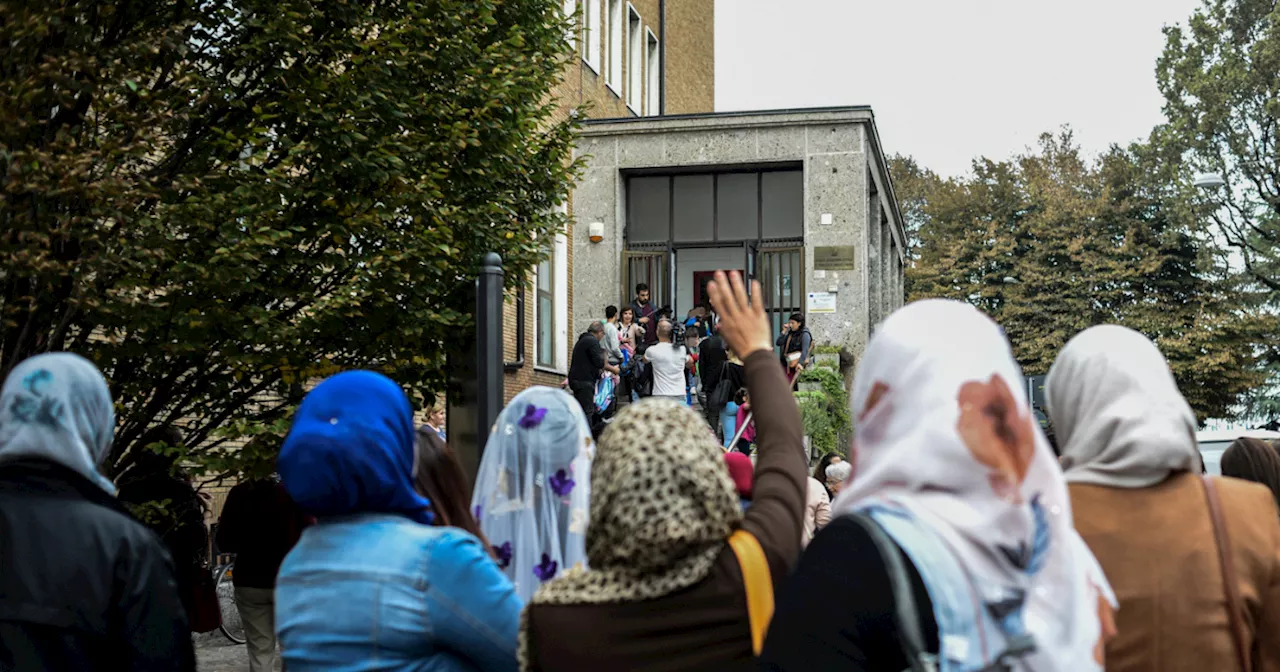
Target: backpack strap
x: 906, y: 612
x: 758, y: 583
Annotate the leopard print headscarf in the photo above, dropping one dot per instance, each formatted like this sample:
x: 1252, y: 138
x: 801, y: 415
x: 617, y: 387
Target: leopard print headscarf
x: 662, y: 506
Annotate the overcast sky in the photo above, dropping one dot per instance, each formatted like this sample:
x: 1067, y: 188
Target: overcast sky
x: 949, y: 80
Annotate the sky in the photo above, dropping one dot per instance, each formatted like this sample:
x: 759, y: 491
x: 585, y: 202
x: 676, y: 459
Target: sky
x: 950, y: 80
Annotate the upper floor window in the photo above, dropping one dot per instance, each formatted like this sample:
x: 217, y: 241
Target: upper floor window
x: 591, y: 33
x: 614, y: 37
x: 635, y: 60
x: 570, y: 8
x: 653, y: 68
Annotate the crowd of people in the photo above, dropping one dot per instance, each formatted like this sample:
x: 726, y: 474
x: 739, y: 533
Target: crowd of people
x: 950, y: 536
x: 623, y: 359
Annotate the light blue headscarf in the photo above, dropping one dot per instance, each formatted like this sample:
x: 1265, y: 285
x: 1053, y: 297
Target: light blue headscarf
x: 57, y: 407
x: 534, y: 487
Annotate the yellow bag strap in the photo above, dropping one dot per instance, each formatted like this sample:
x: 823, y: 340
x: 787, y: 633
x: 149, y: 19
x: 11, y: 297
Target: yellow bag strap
x: 758, y: 583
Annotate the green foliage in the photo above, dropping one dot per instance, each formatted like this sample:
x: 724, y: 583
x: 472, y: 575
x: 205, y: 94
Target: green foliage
x: 1219, y: 76
x: 219, y: 202
x: 817, y: 422
x: 826, y: 412
x: 1049, y: 244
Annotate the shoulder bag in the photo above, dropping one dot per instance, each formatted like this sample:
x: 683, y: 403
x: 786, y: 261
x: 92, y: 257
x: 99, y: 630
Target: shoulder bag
x: 758, y: 583
x: 1230, y: 584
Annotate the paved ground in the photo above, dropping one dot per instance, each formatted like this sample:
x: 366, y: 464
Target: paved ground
x: 215, y: 653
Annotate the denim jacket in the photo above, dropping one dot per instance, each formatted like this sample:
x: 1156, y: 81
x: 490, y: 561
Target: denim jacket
x: 382, y: 592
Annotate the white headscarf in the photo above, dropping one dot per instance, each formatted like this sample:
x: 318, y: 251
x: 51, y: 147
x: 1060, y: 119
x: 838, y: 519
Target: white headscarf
x: 534, y: 487
x: 57, y: 407
x: 945, y: 432
x: 1117, y: 411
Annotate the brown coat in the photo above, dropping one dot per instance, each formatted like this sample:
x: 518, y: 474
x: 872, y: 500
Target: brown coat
x: 704, y: 626
x: 1157, y: 548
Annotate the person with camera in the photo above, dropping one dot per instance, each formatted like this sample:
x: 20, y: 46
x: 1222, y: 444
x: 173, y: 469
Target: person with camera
x: 669, y: 362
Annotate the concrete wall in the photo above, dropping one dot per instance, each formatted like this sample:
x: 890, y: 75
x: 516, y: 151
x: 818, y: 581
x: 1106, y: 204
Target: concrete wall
x: 836, y: 149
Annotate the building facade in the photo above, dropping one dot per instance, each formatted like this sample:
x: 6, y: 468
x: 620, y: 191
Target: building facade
x: 798, y: 199
x: 635, y: 59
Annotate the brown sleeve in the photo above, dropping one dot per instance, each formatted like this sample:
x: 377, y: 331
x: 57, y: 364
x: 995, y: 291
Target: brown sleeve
x: 1267, y: 635
x: 776, y: 514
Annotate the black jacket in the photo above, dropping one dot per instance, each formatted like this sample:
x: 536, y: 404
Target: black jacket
x: 711, y: 359
x: 83, y: 585
x: 587, y: 360
x: 260, y: 524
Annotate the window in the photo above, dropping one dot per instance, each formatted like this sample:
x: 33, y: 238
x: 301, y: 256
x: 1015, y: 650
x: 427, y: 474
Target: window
x: 544, y: 311
x: 551, y: 310
x: 729, y: 207
x: 653, y: 64
x: 591, y: 33
x: 635, y: 60
x: 613, y: 68
x: 571, y: 7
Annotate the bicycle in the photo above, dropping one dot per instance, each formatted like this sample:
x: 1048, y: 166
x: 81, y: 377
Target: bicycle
x: 231, y: 626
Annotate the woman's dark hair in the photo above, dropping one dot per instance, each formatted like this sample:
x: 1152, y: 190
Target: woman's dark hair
x: 1254, y: 460
x: 741, y: 397
x: 610, y: 311
x: 440, y: 479
x: 625, y: 310
x: 799, y: 318
x: 820, y: 471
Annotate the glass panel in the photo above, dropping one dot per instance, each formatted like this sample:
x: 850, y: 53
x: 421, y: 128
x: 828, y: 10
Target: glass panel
x: 544, y: 276
x: 693, y: 208
x: 546, y: 330
x: 782, y: 204
x: 649, y: 209
x: 738, y: 206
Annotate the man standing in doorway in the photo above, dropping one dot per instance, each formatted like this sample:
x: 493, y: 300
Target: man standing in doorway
x: 712, y: 356
x: 645, y: 314
x: 669, y: 362
x: 584, y: 369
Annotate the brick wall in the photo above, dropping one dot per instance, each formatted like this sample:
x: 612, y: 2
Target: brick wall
x: 690, y: 88
x: 691, y: 50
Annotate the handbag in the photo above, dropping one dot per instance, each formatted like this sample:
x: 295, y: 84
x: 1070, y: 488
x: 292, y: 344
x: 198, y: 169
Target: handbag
x: 723, y: 392
x: 758, y: 583
x: 1230, y: 584
x: 206, y: 615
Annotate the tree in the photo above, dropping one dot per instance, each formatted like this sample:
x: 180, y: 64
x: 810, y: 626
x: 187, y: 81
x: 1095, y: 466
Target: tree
x: 1219, y: 79
x: 1050, y: 244
x: 220, y: 201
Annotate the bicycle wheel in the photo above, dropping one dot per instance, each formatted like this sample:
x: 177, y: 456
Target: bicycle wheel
x: 231, y: 625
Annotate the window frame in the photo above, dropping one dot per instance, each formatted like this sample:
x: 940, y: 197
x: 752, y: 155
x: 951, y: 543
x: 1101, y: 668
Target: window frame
x: 615, y: 34
x: 635, y: 60
x: 570, y: 9
x: 653, y: 74
x: 558, y: 293
x: 591, y: 37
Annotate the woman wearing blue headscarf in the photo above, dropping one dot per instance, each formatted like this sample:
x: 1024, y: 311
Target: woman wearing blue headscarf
x: 83, y: 585
x: 373, y: 580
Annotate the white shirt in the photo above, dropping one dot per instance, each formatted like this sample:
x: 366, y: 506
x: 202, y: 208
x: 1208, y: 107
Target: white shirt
x: 668, y: 369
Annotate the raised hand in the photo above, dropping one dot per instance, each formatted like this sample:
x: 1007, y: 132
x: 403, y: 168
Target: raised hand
x: 742, y: 320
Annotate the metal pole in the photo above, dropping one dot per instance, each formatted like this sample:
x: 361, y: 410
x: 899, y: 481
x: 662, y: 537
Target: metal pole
x: 489, y: 363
